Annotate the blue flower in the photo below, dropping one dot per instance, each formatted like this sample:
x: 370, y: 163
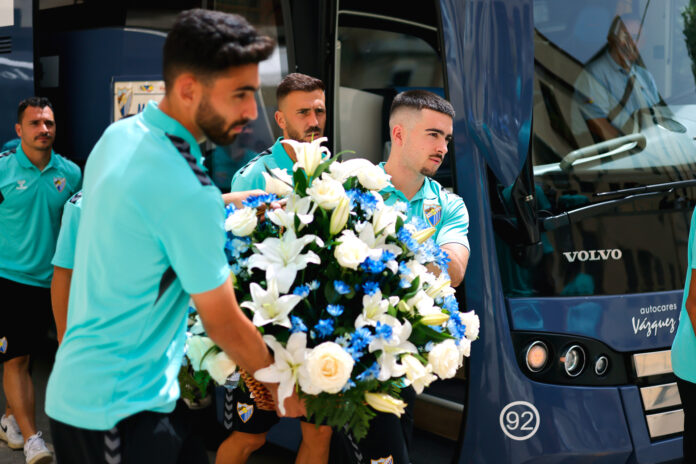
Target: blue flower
x: 255, y: 201
x: 373, y: 266
x: 229, y: 209
x: 350, y: 384
x: 313, y: 285
x: 335, y: 310
x: 361, y: 338
x: 403, y: 269
x: 451, y: 304
x: 404, y: 283
x: 370, y: 373
x: 383, y: 331
x: 366, y: 200
x: 324, y: 327
x: 405, y: 236
x: 301, y: 290
x: 298, y: 324
x: 341, y: 287
x: 429, y: 346
x: 387, y: 255
x: 456, y: 326
x: 370, y: 287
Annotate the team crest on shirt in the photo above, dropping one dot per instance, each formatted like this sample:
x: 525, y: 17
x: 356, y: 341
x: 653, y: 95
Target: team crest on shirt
x: 388, y: 460
x: 22, y: 184
x: 245, y: 411
x: 59, y: 182
x: 3, y: 345
x: 432, y: 213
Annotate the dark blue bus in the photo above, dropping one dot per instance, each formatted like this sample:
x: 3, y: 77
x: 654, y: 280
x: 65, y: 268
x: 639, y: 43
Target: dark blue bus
x: 578, y: 228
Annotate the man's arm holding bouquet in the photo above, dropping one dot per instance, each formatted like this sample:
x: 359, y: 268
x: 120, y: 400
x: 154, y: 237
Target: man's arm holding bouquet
x: 453, y: 238
x: 232, y: 331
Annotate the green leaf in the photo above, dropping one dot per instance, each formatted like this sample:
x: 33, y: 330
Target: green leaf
x: 300, y: 180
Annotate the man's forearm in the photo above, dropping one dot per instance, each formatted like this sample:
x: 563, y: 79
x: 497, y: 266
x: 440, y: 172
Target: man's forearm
x: 60, y: 293
x: 459, y: 258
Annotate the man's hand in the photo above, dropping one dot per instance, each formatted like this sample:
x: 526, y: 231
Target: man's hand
x: 238, y: 197
x: 294, y: 406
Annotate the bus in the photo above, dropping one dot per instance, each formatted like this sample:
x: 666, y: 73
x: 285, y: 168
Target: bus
x: 578, y: 239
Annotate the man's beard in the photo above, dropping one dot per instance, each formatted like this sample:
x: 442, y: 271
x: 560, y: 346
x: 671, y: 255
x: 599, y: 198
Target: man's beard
x: 213, y: 124
x: 430, y: 172
x: 296, y: 135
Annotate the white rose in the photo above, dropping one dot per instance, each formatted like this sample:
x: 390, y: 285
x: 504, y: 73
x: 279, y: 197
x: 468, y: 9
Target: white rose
x: 373, y: 177
x: 279, y: 182
x: 464, y: 349
x: 328, y: 367
x: 219, y: 367
x: 197, y: 347
x: 242, y: 222
x: 418, y: 375
x: 472, y: 323
x: 326, y: 192
x: 444, y: 357
x: 352, y: 251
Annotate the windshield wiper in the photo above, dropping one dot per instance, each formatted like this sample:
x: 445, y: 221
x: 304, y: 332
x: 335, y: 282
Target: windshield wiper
x: 648, y: 188
x: 564, y: 219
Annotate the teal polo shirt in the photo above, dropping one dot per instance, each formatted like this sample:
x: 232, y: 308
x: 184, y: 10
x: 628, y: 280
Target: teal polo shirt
x: 684, y: 344
x: 151, y: 233
x: 250, y: 177
x: 31, y: 203
x: 438, y: 208
x: 65, y: 246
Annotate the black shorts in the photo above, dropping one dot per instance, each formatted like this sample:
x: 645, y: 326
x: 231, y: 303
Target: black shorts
x: 145, y: 437
x: 247, y: 417
x: 25, y: 315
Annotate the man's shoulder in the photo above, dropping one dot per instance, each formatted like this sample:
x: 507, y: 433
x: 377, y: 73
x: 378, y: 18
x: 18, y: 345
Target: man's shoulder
x: 67, y: 164
x: 7, y: 156
x: 251, y: 172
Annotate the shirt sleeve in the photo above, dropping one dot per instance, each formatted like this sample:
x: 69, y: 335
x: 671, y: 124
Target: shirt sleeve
x: 193, y: 237
x: 455, y: 222
x: 249, y: 178
x: 65, y: 246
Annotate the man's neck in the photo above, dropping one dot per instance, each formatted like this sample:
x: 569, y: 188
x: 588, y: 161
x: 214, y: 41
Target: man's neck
x: 619, y: 59
x: 39, y: 158
x: 169, y: 107
x: 404, y: 179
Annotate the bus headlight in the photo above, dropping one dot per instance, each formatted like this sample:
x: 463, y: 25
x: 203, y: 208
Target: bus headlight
x: 573, y: 360
x: 537, y: 355
x: 601, y: 365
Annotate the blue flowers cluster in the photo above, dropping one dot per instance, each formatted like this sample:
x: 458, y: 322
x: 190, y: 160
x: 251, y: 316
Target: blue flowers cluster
x: 359, y: 340
x: 366, y: 201
x: 257, y: 200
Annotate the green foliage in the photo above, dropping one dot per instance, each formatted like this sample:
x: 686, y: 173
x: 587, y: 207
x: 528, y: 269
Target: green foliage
x: 341, y: 409
x: 194, y: 384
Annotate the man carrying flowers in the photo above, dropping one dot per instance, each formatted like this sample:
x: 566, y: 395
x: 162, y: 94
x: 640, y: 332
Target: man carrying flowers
x: 302, y: 117
x: 420, y: 125
x: 150, y: 235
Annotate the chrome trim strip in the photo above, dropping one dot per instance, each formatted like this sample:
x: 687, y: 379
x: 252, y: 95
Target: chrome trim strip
x: 451, y: 405
x: 387, y: 18
x: 665, y: 423
x: 660, y: 396
x: 655, y: 363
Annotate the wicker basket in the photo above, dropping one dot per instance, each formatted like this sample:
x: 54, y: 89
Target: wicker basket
x: 262, y: 397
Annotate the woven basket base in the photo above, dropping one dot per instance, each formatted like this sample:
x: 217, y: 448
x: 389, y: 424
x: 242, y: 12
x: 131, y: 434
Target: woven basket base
x: 262, y: 397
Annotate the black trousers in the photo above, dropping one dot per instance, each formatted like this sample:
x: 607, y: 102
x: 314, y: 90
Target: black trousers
x: 687, y: 392
x: 146, y: 437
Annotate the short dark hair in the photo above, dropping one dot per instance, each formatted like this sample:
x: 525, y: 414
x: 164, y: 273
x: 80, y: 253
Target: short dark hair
x: 206, y: 42
x: 298, y: 82
x: 36, y: 102
x: 422, y: 100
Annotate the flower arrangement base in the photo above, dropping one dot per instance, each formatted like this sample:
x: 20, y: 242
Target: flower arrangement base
x: 262, y: 397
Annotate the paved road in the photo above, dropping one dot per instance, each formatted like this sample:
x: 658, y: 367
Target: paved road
x: 269, y: 454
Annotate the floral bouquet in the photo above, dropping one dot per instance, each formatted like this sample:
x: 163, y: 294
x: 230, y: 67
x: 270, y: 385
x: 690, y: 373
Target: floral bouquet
x: 340, y: 286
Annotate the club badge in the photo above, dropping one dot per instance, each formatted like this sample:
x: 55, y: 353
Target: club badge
x: 245, y: 411
x: 59, y: 182
x: 433, y: 213
x: 3, y: 345
x: 388, y: 460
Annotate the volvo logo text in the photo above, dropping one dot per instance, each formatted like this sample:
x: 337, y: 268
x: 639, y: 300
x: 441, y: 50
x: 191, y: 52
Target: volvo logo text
x: 592, y: 255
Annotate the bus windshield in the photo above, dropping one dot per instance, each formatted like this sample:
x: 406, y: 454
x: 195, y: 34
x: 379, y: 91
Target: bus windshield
x: 614, y: 109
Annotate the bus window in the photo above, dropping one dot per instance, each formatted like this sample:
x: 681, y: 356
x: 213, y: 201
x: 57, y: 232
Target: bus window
x: 614, y: 108
x: 223, y: 162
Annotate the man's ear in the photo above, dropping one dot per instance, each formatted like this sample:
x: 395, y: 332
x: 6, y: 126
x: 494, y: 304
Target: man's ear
x: 397, y: 135
x: 280, y: 119
x: 18, y: 130
x: 188, y: 89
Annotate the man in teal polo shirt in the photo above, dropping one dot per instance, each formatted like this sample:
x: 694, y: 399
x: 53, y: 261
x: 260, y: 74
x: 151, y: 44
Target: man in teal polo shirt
x: 34, y: 184
x: 420, y: 125
x: 151, y: 235
x: 684, y: 350
x: 301, y: 116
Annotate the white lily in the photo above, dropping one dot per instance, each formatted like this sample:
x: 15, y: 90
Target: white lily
x: 396, y: 345
x: 281, y: 258
x: 341, y: 171
x: 286, y: 368
x: 278, y: 182
x: 295, y: 206
x: 309, y: 154
x: 269, y: 307
x: 373, y: 308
